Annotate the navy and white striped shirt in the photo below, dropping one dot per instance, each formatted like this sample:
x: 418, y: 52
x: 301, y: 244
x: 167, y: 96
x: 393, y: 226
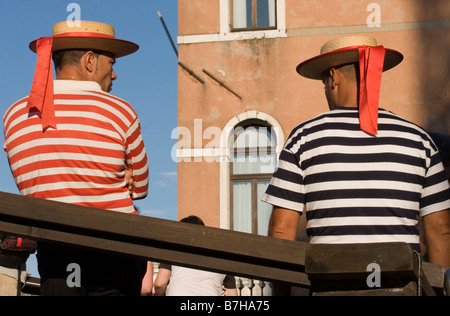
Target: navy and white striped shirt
x: 357, y: 188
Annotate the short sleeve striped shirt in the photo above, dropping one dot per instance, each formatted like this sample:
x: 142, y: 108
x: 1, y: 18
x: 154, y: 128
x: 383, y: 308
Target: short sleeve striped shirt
x: 83, y: 161
x: 357, y: 188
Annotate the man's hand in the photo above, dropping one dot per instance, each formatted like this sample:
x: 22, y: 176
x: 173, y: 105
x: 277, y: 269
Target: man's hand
x: 129, y: 180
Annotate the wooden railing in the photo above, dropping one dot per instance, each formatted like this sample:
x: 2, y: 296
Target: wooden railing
x: 223, y: 251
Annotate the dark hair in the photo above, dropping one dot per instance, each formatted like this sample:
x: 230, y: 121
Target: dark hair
x: 193, y: 220
x: 350, y: 72
x: 70, y: 57
x: 443, y: 143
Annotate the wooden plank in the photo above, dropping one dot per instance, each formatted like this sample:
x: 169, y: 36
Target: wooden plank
x: 151, y: 229
x: 332, y: 261
x: 32, y: 286
x: 329, y: 267
x: 425, y: 287
x: 147, y: 252
x: 409, y: 290
x: 154, y: 239
x: 201, y: 247
x: 435, y: 275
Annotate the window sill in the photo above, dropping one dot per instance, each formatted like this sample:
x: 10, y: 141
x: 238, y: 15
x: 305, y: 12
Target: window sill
x: 232, y: 36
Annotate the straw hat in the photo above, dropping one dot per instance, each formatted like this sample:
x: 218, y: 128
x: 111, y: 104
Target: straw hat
x: 89, y: 35
x: 342, y: 51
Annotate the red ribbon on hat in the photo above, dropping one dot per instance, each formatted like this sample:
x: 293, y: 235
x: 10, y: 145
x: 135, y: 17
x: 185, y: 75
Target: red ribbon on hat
x: 41, y: 95
x: 371, y: 63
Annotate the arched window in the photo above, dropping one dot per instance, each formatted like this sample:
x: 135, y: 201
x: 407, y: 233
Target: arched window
x: 236, y: 173
x: 254, y: 161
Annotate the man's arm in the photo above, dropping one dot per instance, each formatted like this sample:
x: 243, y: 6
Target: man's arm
x: 283, y: 225
x: 161, y: 282
x: 137, y: 161
x: 231, y: 292
x: 437, y: 230
x: 147, y: 282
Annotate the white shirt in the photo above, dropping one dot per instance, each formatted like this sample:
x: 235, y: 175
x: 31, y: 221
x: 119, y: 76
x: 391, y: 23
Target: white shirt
x: 191, y: 282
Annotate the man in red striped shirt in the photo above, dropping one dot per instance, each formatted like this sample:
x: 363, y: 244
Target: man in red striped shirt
x: 71, y: 141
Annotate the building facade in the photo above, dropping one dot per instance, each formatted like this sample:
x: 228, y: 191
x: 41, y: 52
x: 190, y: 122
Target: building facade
x: 239, y: 95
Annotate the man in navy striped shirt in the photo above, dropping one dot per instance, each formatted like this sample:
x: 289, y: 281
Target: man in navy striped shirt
x: 361, y: 174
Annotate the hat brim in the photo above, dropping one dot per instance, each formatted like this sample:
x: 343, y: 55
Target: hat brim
x: 315, y: 67
x: 119, y: 48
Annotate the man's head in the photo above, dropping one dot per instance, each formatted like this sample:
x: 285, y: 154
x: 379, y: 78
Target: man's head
x: 344, y: 51
x: 193, y: 220
x: 341, y: 86
x: 89, y: 36
x: 371, y: 59
x: 88, y: 65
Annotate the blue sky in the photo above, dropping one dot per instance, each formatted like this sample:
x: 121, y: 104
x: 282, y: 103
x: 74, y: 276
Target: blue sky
x: 147, y: 79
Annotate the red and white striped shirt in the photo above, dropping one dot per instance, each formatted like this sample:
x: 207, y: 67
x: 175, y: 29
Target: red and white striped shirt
x: 83, y: 161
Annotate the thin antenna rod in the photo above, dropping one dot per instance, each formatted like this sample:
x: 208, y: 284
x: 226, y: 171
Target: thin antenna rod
x: 221, y: 83
x: 192, y: 73
x: 168, y: 34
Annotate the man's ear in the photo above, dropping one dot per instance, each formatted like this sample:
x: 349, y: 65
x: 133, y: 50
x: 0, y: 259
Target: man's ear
x: 89, y: 62
x: 334, y: 78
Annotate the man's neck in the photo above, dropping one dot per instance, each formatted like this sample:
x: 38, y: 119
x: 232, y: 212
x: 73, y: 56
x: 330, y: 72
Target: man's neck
x: 348, y: 97
x: 70, y: 73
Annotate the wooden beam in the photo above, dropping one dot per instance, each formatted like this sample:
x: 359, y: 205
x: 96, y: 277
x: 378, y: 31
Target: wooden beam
x: 435, y: 275
x: 154, y: 239
x: 409, y: 290
x: 207, y: 248
x: 331, y: 261
x: 32, y: 286
x: 328, y: 266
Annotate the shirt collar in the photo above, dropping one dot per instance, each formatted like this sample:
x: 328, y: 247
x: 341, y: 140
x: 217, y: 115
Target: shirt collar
x: 345, y: 108
x: 76, y: 85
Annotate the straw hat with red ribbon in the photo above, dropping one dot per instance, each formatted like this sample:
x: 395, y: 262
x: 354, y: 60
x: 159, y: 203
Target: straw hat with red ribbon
x: 372, y: 59
x: 84, y: 35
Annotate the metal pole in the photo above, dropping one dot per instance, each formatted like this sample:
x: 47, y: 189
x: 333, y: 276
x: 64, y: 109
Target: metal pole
x: 191, y: 72
x: 221, y: 83
x: 168, y: 34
